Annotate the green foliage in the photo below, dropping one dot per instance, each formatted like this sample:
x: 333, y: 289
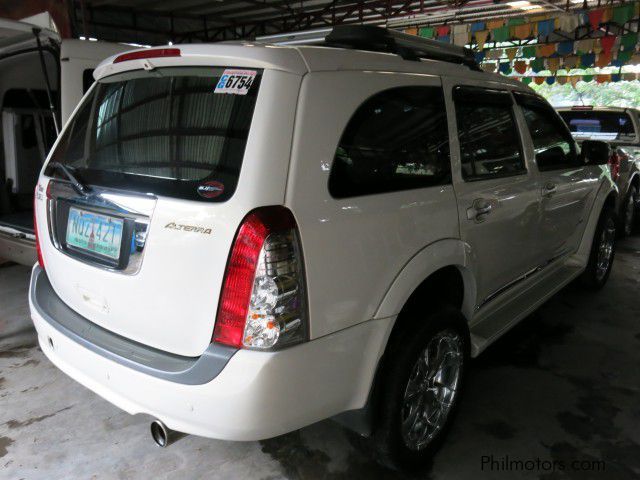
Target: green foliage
x: 614, y: 94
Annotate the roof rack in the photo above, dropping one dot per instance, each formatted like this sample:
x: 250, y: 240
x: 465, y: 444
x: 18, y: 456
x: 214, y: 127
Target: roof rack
x: 377, y: 39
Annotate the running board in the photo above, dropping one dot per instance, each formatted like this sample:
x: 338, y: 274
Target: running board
x: 499, y: 316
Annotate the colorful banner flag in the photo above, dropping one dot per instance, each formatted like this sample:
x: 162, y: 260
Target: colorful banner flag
x: 442, y: 30
x: 427, y: 32
x: 587, y: 60
x: 546, y: 49
x: 522, y: 32
x: 623, y: 13
x: 481, y: 38
x: 477, y: 26
x: 595, y: 18
x: 520, y: 66
x: 546, y: 27
x: 607, y: 43
x: 604, y: 59
x: 511, y: 53
x: 629, y: 41
x: 537, y: 64
x: 500, y: 34
x: 564, y: 48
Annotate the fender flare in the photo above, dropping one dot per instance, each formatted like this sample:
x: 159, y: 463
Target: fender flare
x: 435, y: 256
x: 635, y: 175
x: 606, y: 189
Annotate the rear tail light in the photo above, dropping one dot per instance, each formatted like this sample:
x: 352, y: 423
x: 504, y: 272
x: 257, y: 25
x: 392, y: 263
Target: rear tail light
x: 35, y: 228
x: 151, y: 53
x: 614, y: 164
x: 263, y: 300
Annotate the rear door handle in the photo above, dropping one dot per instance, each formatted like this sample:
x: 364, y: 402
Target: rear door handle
x: 549, y: 189
x: 479, y: 210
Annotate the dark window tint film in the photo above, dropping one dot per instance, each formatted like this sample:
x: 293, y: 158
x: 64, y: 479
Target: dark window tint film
x: 396, y: 140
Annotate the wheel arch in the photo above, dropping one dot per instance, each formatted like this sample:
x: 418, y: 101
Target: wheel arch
x: 606, y: 197
x: 437, y: 276
x: 430, y: 271
x: 635, y: 181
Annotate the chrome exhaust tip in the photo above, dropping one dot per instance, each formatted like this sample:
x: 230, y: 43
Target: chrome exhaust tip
x: 162, y: 435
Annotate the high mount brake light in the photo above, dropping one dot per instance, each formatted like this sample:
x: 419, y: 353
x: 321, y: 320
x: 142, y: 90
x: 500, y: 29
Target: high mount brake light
x: 263, y: 299
x: 152, y: 53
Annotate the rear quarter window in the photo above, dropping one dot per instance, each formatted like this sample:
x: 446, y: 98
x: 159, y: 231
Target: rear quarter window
x: 396, y: 140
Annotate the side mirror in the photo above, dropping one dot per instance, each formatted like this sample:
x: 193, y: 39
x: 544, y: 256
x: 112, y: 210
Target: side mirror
x: 551, y: 157
x: 595, y: 152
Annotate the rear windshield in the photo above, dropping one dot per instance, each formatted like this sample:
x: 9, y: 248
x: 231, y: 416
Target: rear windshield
x: 594, y: 125
x: 171, y: 131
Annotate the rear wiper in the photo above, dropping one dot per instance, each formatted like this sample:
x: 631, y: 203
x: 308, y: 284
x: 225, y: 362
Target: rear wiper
x: 78, y: 186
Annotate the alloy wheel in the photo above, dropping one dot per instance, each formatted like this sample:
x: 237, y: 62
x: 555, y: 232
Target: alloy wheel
x: 605, y: 249
x: 432, y: 389
x: 629, y: 215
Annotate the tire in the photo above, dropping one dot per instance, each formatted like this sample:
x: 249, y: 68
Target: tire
x: 629, y: 211
x: 602, y: 253
x: 397, y: 447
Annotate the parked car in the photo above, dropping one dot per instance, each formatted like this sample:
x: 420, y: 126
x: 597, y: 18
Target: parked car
x: 241, y: 240
x: 34, y: 63
x: 619, y: 127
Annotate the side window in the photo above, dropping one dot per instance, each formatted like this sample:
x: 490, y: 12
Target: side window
x: 396, y: 140
x: 554, y: 147
x: 489, y: 140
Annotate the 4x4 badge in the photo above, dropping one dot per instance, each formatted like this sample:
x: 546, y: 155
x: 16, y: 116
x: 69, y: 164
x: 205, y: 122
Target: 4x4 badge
x: 210, y: 189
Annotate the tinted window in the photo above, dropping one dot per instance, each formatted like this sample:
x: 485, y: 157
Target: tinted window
x: 87, y: 80
x: 599, y: 125
x: 19, y: 98
x: 163, y: 132
x: 553, y: 145
x: 396, y: 140
x: 489, y: 141
x: 28, y: 131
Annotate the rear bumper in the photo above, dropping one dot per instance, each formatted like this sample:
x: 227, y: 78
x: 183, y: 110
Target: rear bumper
x: 16, y: 249
x: 256, y: 395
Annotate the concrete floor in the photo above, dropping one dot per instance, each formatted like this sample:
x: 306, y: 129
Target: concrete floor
x: 562, y: 386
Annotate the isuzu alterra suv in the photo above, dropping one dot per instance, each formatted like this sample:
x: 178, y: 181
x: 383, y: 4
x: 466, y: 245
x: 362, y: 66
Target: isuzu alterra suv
x: 243, y: 239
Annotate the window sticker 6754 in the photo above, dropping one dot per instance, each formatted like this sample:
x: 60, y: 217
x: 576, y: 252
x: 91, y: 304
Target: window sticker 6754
x: 235, y: 82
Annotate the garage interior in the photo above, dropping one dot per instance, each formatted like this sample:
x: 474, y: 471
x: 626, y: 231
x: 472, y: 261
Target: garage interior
x: 562, y: 385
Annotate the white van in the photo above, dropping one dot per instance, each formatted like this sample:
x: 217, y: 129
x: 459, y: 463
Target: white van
x: 243, y: 239
x: 41, y: 80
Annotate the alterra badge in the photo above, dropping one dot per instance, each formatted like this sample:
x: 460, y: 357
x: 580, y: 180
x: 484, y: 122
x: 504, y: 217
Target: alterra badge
x: 188, y: 228
x: 210, y: 189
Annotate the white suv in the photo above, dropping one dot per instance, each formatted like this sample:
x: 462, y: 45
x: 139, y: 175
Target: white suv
x: 243, y: 239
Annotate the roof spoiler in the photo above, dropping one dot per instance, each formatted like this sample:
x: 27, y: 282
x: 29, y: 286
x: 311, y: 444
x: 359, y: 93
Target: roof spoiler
x: 377, y: 39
